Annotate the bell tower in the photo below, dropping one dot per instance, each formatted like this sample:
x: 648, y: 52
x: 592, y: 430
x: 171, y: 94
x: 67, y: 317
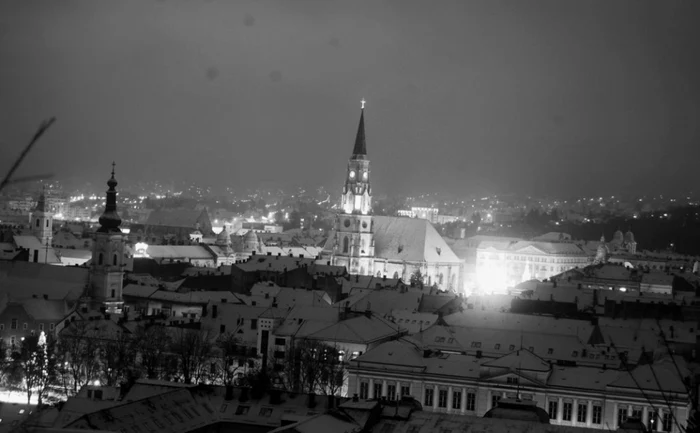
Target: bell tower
x: 42, y: 221
x: 108, y: 260
x: 353, y: 245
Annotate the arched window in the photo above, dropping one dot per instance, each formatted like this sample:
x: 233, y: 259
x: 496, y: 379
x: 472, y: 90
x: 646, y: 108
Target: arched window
x: 440, y: 280
x: 47, y: 223
x: 100, y: 259
x: 346, y: 244
x: 379, y: 274
x: 396, y: 275
x: 37, y: 223
x: 114, y: 260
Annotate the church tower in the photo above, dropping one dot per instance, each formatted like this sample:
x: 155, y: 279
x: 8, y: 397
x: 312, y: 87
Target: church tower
x: 354, y: 230
x: 42, y: 221
x: 108, y: 261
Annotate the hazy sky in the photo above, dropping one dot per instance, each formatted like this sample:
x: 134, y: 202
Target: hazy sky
x: 545, y: 97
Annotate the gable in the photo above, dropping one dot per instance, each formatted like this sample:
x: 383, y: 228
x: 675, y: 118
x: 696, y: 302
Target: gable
x: 529, y: 250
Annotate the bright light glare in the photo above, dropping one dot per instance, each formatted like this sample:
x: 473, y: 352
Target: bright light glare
x: 491, y: 280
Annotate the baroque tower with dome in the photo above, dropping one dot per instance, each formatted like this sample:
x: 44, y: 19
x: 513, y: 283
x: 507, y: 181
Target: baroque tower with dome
x: 108, y: 256
x: 385, y: 246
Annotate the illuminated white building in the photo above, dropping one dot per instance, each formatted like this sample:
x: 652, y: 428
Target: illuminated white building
x: 504, y: 264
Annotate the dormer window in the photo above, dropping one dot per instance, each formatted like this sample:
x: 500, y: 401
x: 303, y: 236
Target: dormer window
x: 476, y: 344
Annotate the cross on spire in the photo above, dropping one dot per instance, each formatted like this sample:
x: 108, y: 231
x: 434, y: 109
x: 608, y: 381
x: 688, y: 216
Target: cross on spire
x: 363, y: 103
x: 113, y: 164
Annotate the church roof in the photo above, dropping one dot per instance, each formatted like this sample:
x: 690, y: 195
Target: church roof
x: 360, y: 149
x: 174, y: 217
x: 411, y: 240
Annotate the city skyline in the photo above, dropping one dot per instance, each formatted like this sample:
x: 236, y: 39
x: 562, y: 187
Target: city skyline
x: 476, y: 97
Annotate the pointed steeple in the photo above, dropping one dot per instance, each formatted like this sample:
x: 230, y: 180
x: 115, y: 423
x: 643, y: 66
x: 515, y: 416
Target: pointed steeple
x: 41, y: 204
x: 360, y: 149
x: 110, y: 220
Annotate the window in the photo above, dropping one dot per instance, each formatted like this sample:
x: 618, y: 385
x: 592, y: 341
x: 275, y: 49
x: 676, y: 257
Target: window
x: 222, y: 328
x: 456, y: 400
x: 512, y: 380
x: 553, y: 408
x: 582, y: 412
x: 471, y: 401
x: 439, y: 339
x: 597, y: 414
x: 51, y: 326
x: 100, y: 259
x: 265, y: 411
x: 25, y: 326
x: 14, y: 324
x: 511, y: 347
x: 442, y: 398
x: 364, y: 390
x: 41, y: 326
x: 637, y: 413
x: 37, y: 223
x: 47, y: 223
x: 391, y: 392
x: 405, y: 390
x: 574, y: 354
x: 666, y: 422
x: 494, y: 400
x: 497, y: 346
x: 253, y: 323
x: 2, y: 326
x: 476, y: 344
x: 429, y: 396
x: 621, y: 415
x: 550, y: 351
x: 566, y: 411
x: 114, y: 260
x: 346, y: 242
x: 377, y: 390
x: 242, y: 410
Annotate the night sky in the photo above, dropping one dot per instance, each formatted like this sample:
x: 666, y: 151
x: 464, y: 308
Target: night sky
x: 543, y: 97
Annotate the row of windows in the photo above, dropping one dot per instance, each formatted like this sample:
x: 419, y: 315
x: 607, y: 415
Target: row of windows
x: 533, y: 259
x: 14, y: 324
x: 581, y: 412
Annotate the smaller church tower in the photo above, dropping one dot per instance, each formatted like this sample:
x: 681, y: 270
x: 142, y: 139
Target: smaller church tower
x: 354, y: 230
x: 42, y: 221
x: 108, y: 260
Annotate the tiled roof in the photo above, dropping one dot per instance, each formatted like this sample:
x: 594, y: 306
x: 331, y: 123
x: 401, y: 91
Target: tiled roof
x: 273, y: 263
x: 178, y: 252
x: 521, y: 360
x: 174, y: 217
x: 654, y: 377
x: 411, y: 240
x: 46, y: 254
x: 23, y: 280
x: 383, y: 301
x: 360, y: 329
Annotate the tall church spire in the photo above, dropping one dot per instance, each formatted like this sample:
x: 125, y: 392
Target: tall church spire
x: 110, y: 220
x: 360, y: 149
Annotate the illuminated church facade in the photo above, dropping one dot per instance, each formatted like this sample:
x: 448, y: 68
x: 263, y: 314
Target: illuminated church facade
x: 395, y: 247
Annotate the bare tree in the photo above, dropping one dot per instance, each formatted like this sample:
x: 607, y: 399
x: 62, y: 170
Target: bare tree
x: 117, y: 357
x: 232, y: 358
x: 302, y: 368
x: 5, y: 361
x: 333, y: 370
x: 78, y: 345
x: 152, y: 344
x: 194, y: 350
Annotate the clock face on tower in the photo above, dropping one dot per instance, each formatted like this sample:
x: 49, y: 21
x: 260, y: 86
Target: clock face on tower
x: 352, y: 174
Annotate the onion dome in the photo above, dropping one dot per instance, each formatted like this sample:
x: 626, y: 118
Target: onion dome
x: 618, y: 237
x: 224, y: 237
x: 629, y: 236
x: 110, y: 220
